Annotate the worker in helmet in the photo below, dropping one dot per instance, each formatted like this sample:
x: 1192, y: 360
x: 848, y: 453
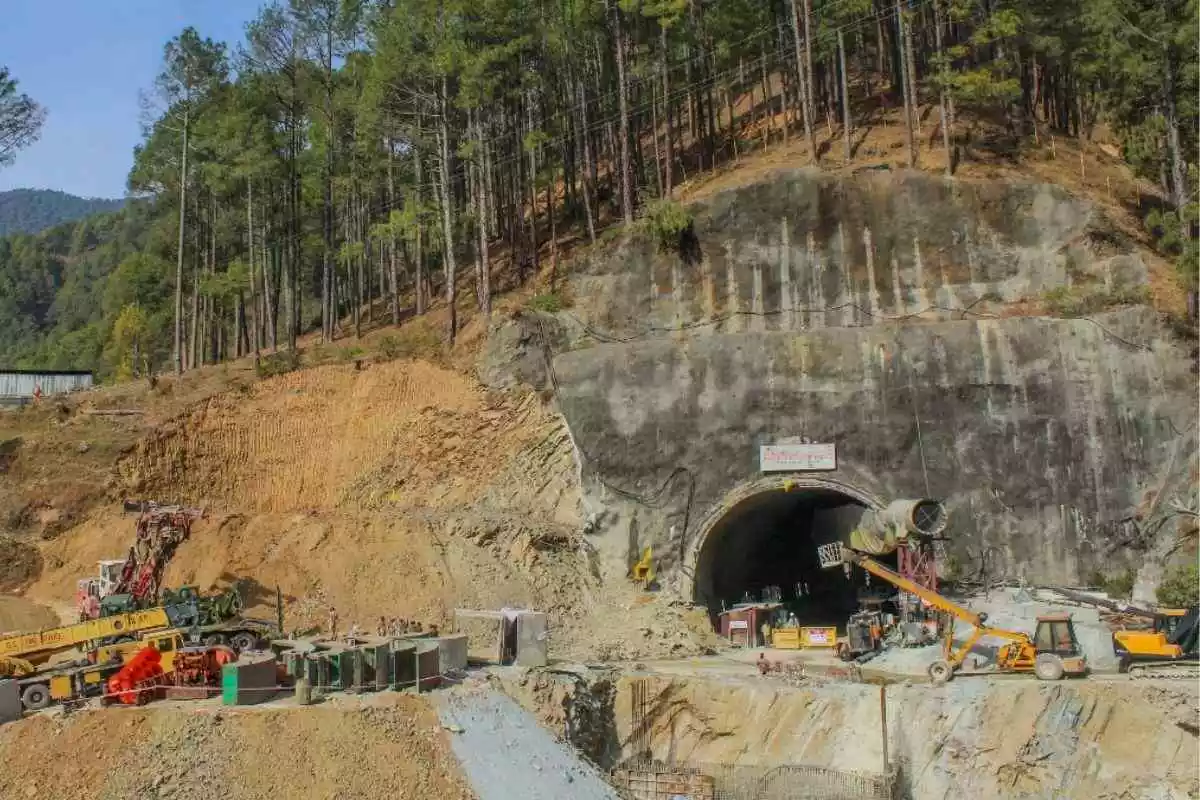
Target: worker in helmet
x: 333, y: 623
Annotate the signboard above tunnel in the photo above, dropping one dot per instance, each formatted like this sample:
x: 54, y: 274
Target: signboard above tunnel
x: 797, y: 457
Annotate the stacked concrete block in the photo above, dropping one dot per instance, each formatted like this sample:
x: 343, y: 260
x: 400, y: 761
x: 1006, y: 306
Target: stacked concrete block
x: 452, y: 653
x: 343, y: 666
x: 428, y: 659
x: 10, y: 701
x: 316, y: 672
x: 248, y: 681
x: 532, y: 639
x: 377, y: 666
x: 404, y: 664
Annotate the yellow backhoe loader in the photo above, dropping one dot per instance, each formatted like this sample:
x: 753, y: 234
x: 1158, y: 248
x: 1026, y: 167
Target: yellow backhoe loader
x: 1051, y: 653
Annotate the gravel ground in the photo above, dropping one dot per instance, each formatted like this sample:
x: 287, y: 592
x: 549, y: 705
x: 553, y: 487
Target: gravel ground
x: 507, y: 755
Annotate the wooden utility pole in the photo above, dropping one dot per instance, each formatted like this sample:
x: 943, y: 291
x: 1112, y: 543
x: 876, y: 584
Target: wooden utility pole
x: 883, y: 726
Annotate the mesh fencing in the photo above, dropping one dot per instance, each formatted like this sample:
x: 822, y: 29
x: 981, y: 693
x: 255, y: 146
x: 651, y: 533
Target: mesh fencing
x: 656, y: 781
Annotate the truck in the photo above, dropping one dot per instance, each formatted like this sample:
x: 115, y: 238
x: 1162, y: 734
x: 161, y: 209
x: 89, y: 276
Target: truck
x: 109, y: 641
x: 23, y: 654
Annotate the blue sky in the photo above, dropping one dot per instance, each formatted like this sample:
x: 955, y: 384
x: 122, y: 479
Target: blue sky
x: 85, y: 60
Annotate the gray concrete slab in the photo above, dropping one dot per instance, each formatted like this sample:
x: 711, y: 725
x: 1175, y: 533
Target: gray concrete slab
x: 507, y: 755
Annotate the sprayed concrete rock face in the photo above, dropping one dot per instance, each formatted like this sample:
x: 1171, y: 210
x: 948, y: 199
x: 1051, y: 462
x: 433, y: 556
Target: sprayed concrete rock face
x: 875, y: 312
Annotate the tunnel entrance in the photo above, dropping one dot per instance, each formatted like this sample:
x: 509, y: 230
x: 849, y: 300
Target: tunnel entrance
x: 769, y: 539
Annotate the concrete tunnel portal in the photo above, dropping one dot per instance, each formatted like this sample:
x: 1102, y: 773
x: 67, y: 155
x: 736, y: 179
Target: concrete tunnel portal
x: 770, y: 538
x: 766, y: 537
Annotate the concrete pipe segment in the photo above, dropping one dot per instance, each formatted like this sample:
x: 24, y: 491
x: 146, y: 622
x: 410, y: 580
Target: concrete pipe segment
x: 878, y: 532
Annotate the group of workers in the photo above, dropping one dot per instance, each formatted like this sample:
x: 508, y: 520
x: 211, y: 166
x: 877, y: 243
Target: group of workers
x: 393, y: 627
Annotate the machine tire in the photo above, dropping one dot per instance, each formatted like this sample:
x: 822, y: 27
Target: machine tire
x: 940, y: 672
x: 214, y: 639
x: 36, y: 696
x: 243, y: 640
x: 1124, y: 664
x: 1048, y: 667
x: 843, y: 652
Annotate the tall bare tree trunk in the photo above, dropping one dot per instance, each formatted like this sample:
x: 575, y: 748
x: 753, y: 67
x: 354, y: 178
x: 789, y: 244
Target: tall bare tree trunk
x: 910, y: 75
x: 393, y: 246
x: 1178, y: 170
x: 909, y: 143
x: 845, y: 96
x: 585, y: 142
x: 533, y: 232
x: 803, y: 86
x: 945, y: 114
x: 666, y: 90
x: 419, y: 239
x: 808, y: 74
x: 447, y: 220
x: 623, y: 99
x: 485, y: 269
x: 183, y: 175
x: 254, y: 290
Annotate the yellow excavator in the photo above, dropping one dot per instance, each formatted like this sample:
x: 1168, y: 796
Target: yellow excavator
x: 1168, y: 650
x: 1052, y: 652
x: 642, y: 571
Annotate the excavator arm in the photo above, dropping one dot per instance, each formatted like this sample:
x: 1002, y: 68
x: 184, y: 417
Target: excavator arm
x: 954, y: 656
x: 904, y: 584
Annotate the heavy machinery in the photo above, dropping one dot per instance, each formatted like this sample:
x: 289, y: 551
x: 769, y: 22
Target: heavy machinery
x: 864, y: 635
x: 133, y: 583
x: 1170, y: 649
x: 79, y: 681
x: 200, y: 666
x: 642, y: 571
x: 21, y: 654
x: 138, y: 681
x: 1052, y: 652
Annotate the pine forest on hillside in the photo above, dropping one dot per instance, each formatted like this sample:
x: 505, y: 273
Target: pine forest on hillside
x: 34, y: 210
x: 357, y: 158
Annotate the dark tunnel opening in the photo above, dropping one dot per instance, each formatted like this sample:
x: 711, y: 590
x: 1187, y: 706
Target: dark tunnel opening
x: 770, y: 540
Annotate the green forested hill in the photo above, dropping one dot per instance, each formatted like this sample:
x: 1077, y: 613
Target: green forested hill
x: 34, y: 210
x: 63, y: 290
x: 356, y: 152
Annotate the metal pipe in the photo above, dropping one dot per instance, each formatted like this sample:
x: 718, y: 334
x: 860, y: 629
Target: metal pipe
x: 879, y: 532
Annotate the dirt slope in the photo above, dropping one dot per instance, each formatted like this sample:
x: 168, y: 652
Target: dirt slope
x: 401, y: 489
x: 390, y: 748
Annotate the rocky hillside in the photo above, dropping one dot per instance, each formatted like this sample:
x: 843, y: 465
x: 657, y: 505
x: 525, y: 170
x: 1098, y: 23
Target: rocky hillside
x: 992, y: 343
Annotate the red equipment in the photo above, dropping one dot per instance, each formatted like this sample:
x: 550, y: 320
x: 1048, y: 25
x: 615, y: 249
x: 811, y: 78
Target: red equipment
x: 160, y: 529
x: 201, y: 666
x: 137, y: 682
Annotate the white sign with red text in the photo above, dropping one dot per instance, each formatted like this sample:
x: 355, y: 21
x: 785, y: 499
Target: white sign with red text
x: 797, y: 457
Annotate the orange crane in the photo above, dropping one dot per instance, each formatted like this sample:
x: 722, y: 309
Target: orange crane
x: 1051, y: 653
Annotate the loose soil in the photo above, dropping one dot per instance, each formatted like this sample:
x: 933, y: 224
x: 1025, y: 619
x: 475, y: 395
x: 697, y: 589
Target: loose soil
x: 388, y: 748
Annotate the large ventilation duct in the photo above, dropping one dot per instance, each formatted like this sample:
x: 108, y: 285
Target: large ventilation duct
x: 880, y: 532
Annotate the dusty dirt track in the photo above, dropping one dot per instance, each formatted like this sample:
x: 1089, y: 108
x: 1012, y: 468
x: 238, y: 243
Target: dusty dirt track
x: 393, y: 748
